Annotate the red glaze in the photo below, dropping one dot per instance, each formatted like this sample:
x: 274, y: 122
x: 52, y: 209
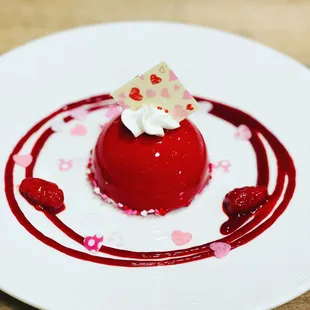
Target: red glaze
x: 151, y: 172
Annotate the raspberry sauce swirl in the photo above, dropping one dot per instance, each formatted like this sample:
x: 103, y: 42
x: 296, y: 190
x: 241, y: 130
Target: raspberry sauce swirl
x: 265, y: 216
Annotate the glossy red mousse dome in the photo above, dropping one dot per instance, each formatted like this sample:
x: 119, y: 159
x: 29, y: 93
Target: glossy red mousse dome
x: 151, y: 172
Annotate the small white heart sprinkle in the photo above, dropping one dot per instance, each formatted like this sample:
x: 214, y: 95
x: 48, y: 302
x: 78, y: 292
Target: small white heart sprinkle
x: 88, y: 171
x: 97, y: 190
x: 111, y: 201
x: 144, y: 213
x: 151, y: 211
x: 120, y: 205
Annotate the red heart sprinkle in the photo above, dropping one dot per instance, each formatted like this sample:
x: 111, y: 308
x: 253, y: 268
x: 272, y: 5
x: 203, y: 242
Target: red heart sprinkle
x: 135, y: 94
x: 155, y: 79
x: 189, y: 107
x: 159, y: 108
x: 166, y: 110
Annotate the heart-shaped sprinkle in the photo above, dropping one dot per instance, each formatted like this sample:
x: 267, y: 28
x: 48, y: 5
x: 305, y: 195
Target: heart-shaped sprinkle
x: 172, y: 76
x: 78, y: 130
x: 116, y: 238
x: 165, y: 93
x: 144, y: 213
x: 135, y: 94
x: 189, y: 107
x: 97, y: 190
x: 220, y: 249
x: 93, y: 243
x: 181, y: 238
x: 78, y: 114
x: 205, y: 106
x: 22, y: 160
x: 150, y: 93
x: 58, y: 125
x: 141, y: 77
x: 243, y: 133
x: 155, y: 79
x: 65, y: 165
x: 187, y: 95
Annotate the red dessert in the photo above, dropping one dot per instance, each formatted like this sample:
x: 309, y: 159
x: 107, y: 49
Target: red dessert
x: 151, y: 172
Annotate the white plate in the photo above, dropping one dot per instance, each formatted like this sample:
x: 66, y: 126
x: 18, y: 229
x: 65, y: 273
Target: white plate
x: 42, y: 76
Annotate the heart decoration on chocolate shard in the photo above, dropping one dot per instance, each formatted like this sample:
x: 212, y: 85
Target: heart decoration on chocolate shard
x: 150, y: 93
x: 159, y: 88
x: 165, y: 93
x: 172, y: 76
x: 179, y: 113
x: 135, y: 94
x: 155, y: 79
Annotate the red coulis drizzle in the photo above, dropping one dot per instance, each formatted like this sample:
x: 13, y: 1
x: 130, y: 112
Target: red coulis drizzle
x: 257, y: 223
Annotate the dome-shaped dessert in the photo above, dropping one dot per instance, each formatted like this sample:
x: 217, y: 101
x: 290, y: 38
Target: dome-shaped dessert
x: 150, y: 172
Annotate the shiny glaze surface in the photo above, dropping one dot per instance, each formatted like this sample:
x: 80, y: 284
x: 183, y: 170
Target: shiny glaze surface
x: 151, y: 172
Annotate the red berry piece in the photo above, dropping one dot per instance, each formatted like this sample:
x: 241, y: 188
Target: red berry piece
x: 42, y: 193
x: 245, y: 199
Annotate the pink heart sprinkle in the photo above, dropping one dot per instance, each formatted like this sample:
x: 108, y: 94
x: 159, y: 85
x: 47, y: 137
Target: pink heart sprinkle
x: 122, y: 95
x: 243, y: 133
x: 179, y: 113
x: 176, y: 87
x: 65, y: 165
x: 78, y: 130
x: 172, y: 76
x: 22, y: 160
x: 220, y: 249
x: 150, y: 93
x: 113, y: 111
x: 141, y: 77
x: 165, y: 93
x: 78, y: 114
x: 181, y: 238
x: 93, y: 243
x: 187, y: 95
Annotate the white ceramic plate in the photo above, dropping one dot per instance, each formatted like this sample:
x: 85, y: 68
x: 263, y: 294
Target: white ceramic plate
x: 48, y: 73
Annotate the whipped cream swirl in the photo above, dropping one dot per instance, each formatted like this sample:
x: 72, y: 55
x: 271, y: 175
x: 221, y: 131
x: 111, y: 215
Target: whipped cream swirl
x: 148, y: 119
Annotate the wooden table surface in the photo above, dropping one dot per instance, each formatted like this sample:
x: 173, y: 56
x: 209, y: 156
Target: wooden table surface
x: 281, y: 24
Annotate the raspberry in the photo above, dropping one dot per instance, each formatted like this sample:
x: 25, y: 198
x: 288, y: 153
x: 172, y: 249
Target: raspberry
x: 43, y: 193
x: 245, y: 199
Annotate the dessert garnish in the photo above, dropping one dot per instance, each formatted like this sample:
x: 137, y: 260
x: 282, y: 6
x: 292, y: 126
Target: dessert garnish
x: 245, y: 199
x: 43, y: 195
